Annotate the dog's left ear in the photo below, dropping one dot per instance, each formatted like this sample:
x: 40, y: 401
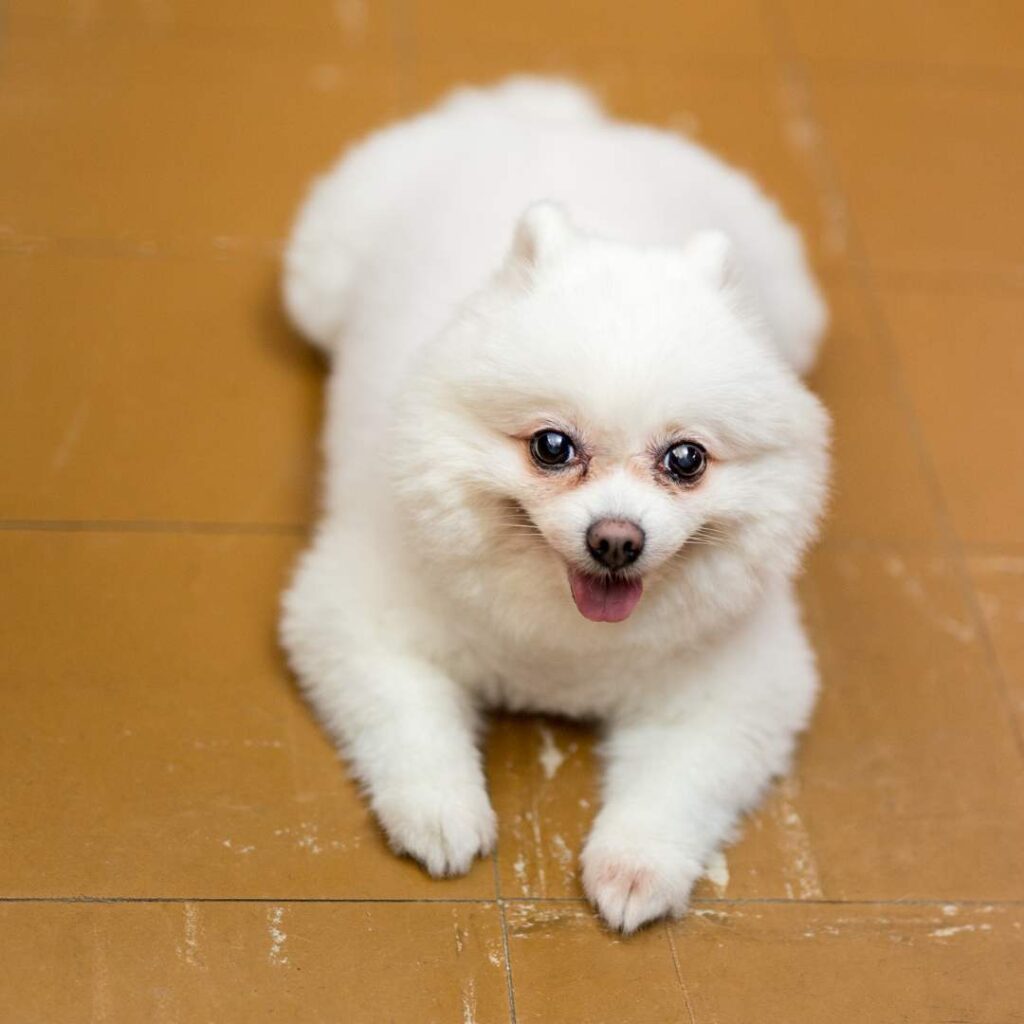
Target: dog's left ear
x: 711, y: 254
x: 543, y: 231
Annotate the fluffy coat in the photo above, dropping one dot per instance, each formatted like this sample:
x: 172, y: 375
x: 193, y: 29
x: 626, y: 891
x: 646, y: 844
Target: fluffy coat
x: 512, y: 265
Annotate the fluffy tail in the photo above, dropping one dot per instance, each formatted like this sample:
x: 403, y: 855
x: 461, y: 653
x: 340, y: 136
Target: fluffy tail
x: 342, y: 208
x: 318, y: 265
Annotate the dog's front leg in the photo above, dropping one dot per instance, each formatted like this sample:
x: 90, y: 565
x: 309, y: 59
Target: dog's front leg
x: 682, y: 770
x: 407, y: 730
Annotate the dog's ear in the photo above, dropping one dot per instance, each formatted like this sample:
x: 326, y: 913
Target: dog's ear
x: 543, y: 231
x: 712, y: 256
x: 710, y: 253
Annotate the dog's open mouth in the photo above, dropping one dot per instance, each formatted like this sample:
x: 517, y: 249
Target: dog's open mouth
x: 604, y: 598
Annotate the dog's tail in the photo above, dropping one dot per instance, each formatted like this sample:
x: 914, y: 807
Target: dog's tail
x: 340, y: 211
x: 319, y: 264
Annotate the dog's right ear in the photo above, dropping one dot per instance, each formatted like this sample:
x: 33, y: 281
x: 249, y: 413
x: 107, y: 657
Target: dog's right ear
x: 543, y: 231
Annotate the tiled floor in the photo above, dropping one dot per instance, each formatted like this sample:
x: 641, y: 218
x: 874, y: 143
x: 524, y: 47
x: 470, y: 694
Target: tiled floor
x: 177, y: 840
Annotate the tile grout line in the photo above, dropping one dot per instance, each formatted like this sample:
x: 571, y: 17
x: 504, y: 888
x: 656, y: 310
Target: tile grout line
x: 167, y: 526
x: 679, y: 974
x: 506, y: 946
x: 301, y: 529
x: 795, y: 67
x: 700, y: 902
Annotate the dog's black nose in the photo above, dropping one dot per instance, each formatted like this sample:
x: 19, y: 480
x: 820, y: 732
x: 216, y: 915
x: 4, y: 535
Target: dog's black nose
x: 615, y: 543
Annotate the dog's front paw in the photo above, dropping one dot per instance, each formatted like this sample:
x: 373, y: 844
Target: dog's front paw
x: 632, y: 882
x: 445, y: 830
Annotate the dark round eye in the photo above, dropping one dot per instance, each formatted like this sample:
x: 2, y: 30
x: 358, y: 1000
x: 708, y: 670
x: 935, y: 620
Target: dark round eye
x: 685, y: 461
x: 552, y: 448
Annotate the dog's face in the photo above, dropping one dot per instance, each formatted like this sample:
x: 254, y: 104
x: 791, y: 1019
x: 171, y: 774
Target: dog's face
x: 603, y: 418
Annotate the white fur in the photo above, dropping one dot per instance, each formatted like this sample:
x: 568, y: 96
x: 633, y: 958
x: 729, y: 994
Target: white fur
x: 663, y: 298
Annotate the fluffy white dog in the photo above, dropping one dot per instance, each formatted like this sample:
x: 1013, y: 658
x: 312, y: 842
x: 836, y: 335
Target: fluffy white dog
x: 571, y: 468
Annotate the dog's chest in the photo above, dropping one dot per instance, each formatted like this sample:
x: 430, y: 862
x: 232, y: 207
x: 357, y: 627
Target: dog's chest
x: 555, y: 682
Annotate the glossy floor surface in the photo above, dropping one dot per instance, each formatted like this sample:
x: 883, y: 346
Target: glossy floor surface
x: 178, y: 842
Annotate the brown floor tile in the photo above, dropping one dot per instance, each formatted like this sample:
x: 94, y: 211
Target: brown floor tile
x: 152, y: 743
x: 912, y: 785
x: 245, y: 962
x: 104, y: 146
x: 567, y: 968
x: 880, y: 487
x: 806, y: 964
x: 986, y: 34
x: 964, y: 368
x: 544, y: 777
x: 999, y: 586
x: 742, y: 112
x: 649, y: 29
x: 163, y: 389
x: 930, y: 169
x: 349, y: 26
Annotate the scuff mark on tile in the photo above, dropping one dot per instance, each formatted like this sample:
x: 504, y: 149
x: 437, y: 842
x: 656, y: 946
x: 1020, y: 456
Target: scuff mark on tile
x: 533, y: 817
x: 958, y: 929
x: 460, y: 935
x: 469, y: 1002
x: 801, y: 866
x: 188, y: 950
x: 912, y: 588
x: 526, y: 918
x: 228, y: 844
x: 564, y: 857
x: 519, y: 870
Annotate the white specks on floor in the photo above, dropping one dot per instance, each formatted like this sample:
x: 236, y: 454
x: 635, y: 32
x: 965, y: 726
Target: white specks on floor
x: 278, y: 937
x: 533, y: 817
x: 460, y: 935
x: 958, y: 929
x: 801, y: 866
x: 564, y: 857
x: 551, y: 756
x: 469, y: 1002
x: 188, y: 949
x: 519, y: 870
x: 242, y: 849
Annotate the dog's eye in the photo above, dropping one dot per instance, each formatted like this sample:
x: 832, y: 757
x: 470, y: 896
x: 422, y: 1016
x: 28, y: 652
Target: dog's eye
x: 685, y: 461
x: 551, y: 448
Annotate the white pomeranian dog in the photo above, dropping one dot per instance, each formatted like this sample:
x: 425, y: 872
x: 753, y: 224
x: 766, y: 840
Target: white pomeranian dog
x: 571, y: 468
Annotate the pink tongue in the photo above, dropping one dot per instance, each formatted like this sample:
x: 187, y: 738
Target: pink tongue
x: 601, y: 599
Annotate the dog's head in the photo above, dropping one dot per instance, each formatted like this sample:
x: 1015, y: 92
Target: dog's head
x: 603, y: 418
